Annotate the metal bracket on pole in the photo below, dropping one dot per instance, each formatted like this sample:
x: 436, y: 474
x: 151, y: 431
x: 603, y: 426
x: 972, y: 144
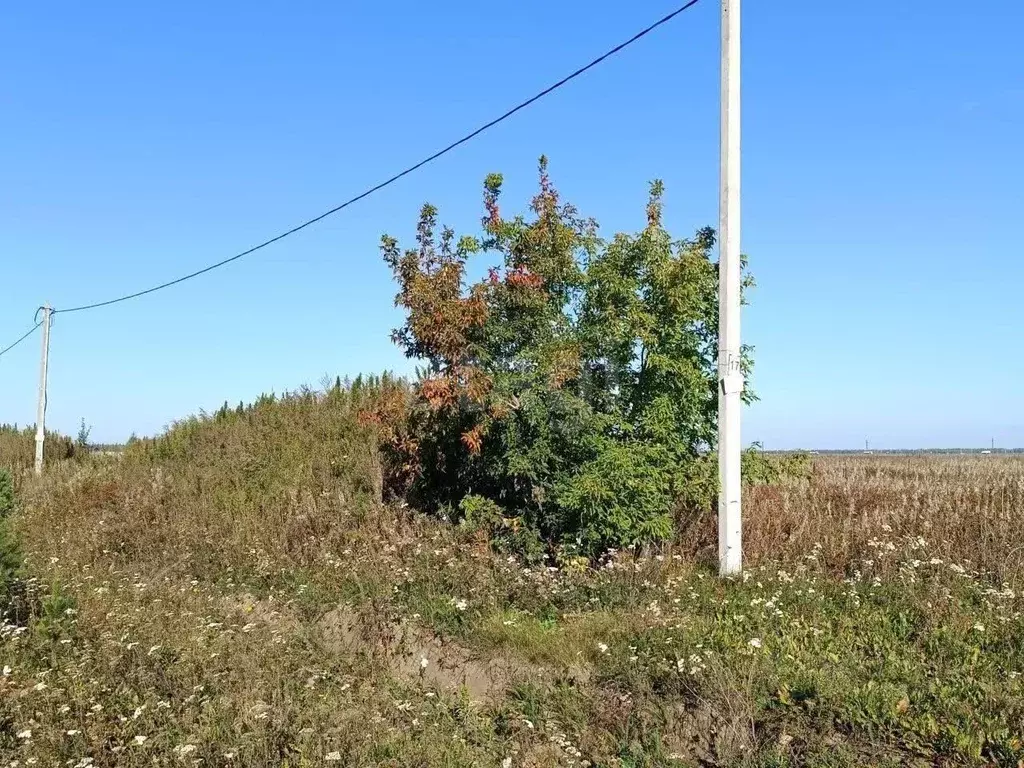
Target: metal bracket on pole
x: 732, y: 383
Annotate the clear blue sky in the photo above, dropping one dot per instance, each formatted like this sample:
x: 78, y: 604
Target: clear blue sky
x: 882, y: 167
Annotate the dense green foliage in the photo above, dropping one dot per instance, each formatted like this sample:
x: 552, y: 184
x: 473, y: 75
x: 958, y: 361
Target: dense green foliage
x: 760, y: 468
x: 10, y: 555
x: 6, y: 492
x: 575, y: 386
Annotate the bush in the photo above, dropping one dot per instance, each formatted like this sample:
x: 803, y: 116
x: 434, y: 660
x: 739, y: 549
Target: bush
x: 575, y: 387
x: 10, y: 553
x: 6, y: 493
x: 760, y: 468
x: 507, y: 535
x: 622, y: 496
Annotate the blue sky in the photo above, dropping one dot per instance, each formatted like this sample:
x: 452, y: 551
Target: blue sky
x: 882, y: 158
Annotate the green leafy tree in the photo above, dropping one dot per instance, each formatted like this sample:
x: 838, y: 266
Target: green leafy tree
x: 82, y: 440
x: 574, y: 387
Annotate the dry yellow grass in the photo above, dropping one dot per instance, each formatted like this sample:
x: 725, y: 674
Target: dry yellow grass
x: 969, y: 509
x: 18, y: 449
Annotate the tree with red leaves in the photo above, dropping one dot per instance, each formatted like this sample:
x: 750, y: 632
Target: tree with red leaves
x: 572, y: 389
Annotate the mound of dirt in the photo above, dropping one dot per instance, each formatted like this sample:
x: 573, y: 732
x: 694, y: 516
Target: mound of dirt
x: 415, y: 653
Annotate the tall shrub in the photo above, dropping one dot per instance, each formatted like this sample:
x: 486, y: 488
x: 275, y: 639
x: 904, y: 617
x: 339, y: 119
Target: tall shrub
x: 575, y: 385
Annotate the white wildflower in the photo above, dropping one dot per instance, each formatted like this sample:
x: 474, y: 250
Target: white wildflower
x: 755, y: 642
x: 73, y: 732
x: 139, y: 740
x: 182, y: 750
x: 602, y: 647
x: 979, y: 627
x: 506, y: 763
x: 26, y: 734
x: 423, y: 662
x: 460, y: 604
x: 333, y: 756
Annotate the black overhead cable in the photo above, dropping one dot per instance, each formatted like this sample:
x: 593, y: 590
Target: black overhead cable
x: 522, y: 105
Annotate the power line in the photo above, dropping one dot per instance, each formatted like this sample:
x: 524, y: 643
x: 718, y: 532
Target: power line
x: 397, y: 176
x: 28, y: 333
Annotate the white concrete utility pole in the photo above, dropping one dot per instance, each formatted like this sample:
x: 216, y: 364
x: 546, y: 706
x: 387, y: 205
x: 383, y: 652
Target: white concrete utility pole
x: 41, y: 411
x: 730, y: 373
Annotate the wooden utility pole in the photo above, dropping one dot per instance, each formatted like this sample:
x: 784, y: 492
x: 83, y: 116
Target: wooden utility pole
x: 41, y: 410
x: 730, y: 371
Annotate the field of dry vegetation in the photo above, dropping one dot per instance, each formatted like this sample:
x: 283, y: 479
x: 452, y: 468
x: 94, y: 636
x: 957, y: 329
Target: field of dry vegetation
x: 236, y: 593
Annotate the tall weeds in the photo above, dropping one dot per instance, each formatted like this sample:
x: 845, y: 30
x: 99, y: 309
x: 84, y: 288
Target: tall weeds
x: 18, y: 448
x: 968, y: 509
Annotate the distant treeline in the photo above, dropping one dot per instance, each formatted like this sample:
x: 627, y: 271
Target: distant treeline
x: 106, y: 447
x: 905, y: 451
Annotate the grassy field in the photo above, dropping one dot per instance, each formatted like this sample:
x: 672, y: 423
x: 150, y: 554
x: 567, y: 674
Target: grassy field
x: 236, y: 593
